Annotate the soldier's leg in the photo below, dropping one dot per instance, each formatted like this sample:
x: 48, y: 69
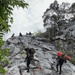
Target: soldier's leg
x: 57, y: 67
x: 60, y: 69
x: 28, y: 63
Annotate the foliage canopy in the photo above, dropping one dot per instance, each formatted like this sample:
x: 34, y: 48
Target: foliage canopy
x: 6, y: 8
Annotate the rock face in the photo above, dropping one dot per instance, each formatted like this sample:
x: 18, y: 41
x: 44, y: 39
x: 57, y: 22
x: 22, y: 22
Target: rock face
x: 44, y: 59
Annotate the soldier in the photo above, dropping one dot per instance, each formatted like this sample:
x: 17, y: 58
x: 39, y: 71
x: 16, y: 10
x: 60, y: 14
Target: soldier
x: 60, y: 61
x: 30, y: 56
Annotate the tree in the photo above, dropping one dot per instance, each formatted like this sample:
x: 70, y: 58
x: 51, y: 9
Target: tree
x: 51, y: 16
x: 6, y: 8
x: 55, y: 17
x: 73, y: 8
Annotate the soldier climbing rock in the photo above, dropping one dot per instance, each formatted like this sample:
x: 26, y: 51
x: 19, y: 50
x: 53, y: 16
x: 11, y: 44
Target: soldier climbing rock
x: 30, y: 56
x: 60, y: 61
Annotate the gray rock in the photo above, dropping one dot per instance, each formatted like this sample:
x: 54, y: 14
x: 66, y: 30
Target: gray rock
x: 44, y: 60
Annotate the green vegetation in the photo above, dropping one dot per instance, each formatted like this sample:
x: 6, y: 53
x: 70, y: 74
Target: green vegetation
x: 73, y: 60
x: 38, y: 33
x: 41, y: 34
x: 6, y: 8
x: 23, y: 54
x: 70, y: 53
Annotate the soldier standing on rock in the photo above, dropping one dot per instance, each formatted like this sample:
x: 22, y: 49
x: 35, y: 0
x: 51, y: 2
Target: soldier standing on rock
x: 30, y: 56
x: 60, y: 61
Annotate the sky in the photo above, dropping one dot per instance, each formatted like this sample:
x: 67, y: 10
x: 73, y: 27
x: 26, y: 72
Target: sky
x: 30, y: 20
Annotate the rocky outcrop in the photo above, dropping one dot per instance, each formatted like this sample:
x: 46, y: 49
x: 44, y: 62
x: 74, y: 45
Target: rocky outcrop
x: 44, y: 59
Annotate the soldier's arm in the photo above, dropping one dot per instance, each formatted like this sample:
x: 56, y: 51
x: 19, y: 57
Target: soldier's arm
x: 65, y: 60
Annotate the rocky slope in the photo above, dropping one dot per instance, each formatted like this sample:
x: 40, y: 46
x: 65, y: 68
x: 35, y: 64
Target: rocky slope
x: 44, y: 59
